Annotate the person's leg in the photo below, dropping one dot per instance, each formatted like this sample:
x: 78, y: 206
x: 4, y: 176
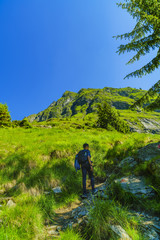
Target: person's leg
x: 84, y: 174
x: 91, y: 176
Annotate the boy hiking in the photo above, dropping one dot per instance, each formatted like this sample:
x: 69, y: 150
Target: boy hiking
x: 84, y: 159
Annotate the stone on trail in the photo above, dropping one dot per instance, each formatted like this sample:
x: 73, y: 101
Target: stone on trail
x: 57, y: 190
x: 120, y: 232
x: 150, y: 234
x: 10, y: 203
x: 82, y: 213
x: 135, y: 185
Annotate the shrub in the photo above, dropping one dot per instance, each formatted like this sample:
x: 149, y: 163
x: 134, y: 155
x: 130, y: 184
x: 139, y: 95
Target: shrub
x: 24, y: 123
x: 15, y: 123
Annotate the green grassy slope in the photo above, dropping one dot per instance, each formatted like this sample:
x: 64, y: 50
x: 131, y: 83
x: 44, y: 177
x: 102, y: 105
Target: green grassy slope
x: 35, y: 160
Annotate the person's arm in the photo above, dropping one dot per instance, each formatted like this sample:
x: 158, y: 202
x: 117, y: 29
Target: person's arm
x: 89, y: 160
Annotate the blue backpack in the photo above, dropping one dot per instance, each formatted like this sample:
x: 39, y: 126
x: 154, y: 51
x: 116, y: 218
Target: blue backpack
x: 76, y: 163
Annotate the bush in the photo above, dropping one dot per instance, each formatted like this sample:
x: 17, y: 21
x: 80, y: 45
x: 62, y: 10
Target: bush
x: 5, y: 118
x: 15, y: 123
x: 108, y: 116
x: 24, y: 123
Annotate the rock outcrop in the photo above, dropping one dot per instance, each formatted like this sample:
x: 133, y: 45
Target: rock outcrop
x: 148, y: 152
x: 135, y: 185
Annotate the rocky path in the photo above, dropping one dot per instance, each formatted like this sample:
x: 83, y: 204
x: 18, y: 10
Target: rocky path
x: 73, y: 216
x: 76, y: 215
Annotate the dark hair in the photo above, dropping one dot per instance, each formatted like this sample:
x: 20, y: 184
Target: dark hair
x: 85, y: 145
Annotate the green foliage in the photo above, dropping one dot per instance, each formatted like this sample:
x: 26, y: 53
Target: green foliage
x: 5, y: 118
x: 24, y: 123
x: 142, y: 39
x: 70, y: 234
x: 15, y: 123
x: 146, y: 99
x: 145, y: 35
x: 108, y: 116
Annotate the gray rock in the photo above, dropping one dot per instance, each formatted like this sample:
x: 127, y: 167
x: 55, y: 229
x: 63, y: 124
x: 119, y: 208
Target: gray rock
x: 129, y: 161
x: 57, y: 190
x: 149, y: 124
x: 148, y: 152
x: 151, y: 235
x: 10, y: 203
x: 82, y: 213
x: 59, y: 228
x: 135, y: 185
x: 118, y: 230
x: 156, y: 228
x: 53, y: 232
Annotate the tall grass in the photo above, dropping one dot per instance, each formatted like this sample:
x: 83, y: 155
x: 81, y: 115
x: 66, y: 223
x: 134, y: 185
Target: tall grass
x: 106, y: 213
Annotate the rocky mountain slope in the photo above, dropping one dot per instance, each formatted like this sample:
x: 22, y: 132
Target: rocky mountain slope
x: 86, y: 100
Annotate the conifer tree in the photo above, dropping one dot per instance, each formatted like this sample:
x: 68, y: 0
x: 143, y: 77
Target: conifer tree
x: 109, y: 116
x: 144, y: 38
x: 5, y: 118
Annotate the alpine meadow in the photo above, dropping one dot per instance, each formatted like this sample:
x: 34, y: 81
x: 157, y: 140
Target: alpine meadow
x: 44, y: 193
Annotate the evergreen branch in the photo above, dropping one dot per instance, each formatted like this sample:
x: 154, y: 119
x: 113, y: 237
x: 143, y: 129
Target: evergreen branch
x: 151, y: 41
x: 154, y: 105
x: 153, y: 91
x: 137, y: 33
x: 148, y: 68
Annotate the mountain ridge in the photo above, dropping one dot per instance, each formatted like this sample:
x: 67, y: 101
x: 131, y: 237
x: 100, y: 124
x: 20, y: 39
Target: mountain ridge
x: 86, y: 101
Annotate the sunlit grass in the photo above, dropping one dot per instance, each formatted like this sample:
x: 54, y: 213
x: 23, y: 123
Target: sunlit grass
x: 35, y: 160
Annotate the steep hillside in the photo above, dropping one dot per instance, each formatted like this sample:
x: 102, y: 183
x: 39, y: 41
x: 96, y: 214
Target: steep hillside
x: 40, y: 189
x: 86, y: 100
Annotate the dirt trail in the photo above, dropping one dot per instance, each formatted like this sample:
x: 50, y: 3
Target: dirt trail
x: 75, y: 215
x: 72, y: 215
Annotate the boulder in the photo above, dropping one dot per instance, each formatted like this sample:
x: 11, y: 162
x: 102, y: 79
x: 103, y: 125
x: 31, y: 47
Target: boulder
x: 135, y: 185
x: 128, y: 161
x: 118, y: 230
x: 151, y: 152
x: 148, y: 152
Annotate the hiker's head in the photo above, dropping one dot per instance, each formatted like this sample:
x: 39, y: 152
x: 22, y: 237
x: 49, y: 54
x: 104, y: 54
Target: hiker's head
x: 86, y: 146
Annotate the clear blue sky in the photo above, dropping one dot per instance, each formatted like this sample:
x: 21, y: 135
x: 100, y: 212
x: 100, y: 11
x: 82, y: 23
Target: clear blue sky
x: 50, y: 46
